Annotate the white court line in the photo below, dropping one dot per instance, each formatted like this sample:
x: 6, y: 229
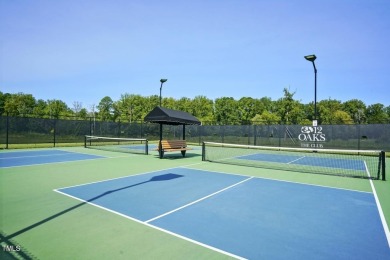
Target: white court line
x: 378, y: 204
x: 199, y: 200
x: 296, y: 159
x: 42, y: 155
x: 78, y: 160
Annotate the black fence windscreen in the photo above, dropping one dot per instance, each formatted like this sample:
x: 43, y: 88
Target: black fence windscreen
x: 37, y: 132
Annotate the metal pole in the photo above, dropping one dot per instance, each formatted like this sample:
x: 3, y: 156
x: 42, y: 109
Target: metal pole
x: 159, y: 144
x: 315, y: 91
x: 160, y: 92
x: 162, y: 81
x: 312, y: 58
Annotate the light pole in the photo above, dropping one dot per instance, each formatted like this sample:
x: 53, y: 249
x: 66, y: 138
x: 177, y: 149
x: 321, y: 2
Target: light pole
x: 312, y: 58
x: 162, y: 81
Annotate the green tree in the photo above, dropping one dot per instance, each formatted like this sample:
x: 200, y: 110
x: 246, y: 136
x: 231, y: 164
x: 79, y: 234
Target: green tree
x: 57, y: 108
x: 150, y: 103
x: 266, y: 118
x: 169, y: 102
x: 20, y: 104
x: 130, y: 108
x: 184, y: 104
x: 3, y: 99
x: 387, y: 110
x: 247, y: 109
x: 40, y: 109
x: 376, y: 114
x: 106, y: 108
x: 342, y: 117
x: 290, y: 111
x: 327, y: 109
x: 202, y: 108
x: 226, y: 111
x: 265, y: 103
x: 356, y: 110
x: 83, y: 113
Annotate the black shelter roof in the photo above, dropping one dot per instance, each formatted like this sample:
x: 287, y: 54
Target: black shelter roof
x: 168, y: 116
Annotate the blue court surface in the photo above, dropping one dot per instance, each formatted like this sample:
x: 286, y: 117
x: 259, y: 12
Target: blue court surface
x: 25, y: 158
x: 246, y: 217
x: 347, y: 164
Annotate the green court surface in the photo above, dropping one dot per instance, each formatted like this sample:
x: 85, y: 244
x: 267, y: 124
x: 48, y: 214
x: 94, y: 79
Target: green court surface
x: 38, y: 223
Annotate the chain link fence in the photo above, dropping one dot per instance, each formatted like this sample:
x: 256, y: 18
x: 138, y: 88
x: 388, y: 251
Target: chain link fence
x: 27, y: 132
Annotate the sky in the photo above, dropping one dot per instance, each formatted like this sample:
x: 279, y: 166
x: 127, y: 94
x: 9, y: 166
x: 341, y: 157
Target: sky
x: 85, y: 50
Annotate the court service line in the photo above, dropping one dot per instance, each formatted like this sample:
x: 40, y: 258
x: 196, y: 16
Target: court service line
x: 199, y: 200
x: 378, y: 204
x: 296, y: 160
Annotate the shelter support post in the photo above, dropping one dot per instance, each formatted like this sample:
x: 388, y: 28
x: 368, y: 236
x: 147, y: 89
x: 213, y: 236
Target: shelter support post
x: 159, y: 144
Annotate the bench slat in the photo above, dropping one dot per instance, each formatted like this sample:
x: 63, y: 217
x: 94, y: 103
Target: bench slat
x: 174, y: 145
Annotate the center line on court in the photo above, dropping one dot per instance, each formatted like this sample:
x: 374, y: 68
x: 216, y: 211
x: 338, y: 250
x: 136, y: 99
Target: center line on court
x: 296, y: 159
x: 199, y: 200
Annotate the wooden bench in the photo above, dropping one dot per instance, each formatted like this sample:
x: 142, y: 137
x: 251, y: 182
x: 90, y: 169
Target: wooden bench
x: 173, y: 146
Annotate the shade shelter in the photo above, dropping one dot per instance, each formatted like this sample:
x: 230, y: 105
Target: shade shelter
x: 166, y: 116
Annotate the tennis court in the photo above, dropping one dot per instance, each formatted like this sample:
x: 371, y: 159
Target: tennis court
x: 105, y: 204
x: 26, y: 158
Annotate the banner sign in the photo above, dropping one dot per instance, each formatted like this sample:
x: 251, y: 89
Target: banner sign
x: 312, y: 137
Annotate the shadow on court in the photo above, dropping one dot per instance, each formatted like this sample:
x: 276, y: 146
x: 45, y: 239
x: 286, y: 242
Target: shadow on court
x: 178, y: 156
x: 163, y: 177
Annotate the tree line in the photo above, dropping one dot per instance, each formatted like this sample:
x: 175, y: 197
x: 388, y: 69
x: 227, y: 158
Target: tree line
x: 224, y: 110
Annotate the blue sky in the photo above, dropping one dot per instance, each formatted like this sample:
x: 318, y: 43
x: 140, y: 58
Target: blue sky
x: 85, y: 50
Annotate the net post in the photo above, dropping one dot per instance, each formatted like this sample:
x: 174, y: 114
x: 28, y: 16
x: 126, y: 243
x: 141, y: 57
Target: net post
x: 383, y: 157
x: 203, y: 152
x: 146, y: 147
x: 85, y: 141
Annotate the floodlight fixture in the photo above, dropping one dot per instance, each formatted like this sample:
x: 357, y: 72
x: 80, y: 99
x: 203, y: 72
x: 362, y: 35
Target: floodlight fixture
x: 311, y: 58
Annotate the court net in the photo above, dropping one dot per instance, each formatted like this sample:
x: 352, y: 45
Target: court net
x: 351, y: 163
x: 126, y: 145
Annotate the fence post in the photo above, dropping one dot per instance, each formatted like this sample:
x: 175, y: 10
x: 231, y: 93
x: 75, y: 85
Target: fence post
x: 358, y: 135
x: 7, y: 131
x: 54, y: 132
x: 254, y: 135
x: 249, y: 134
x: 142, y: 129
x: 119, y: 128
x: 199, y: 133
x: 279, y: 134
x: 223, y: 133
x: 90, y: 126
